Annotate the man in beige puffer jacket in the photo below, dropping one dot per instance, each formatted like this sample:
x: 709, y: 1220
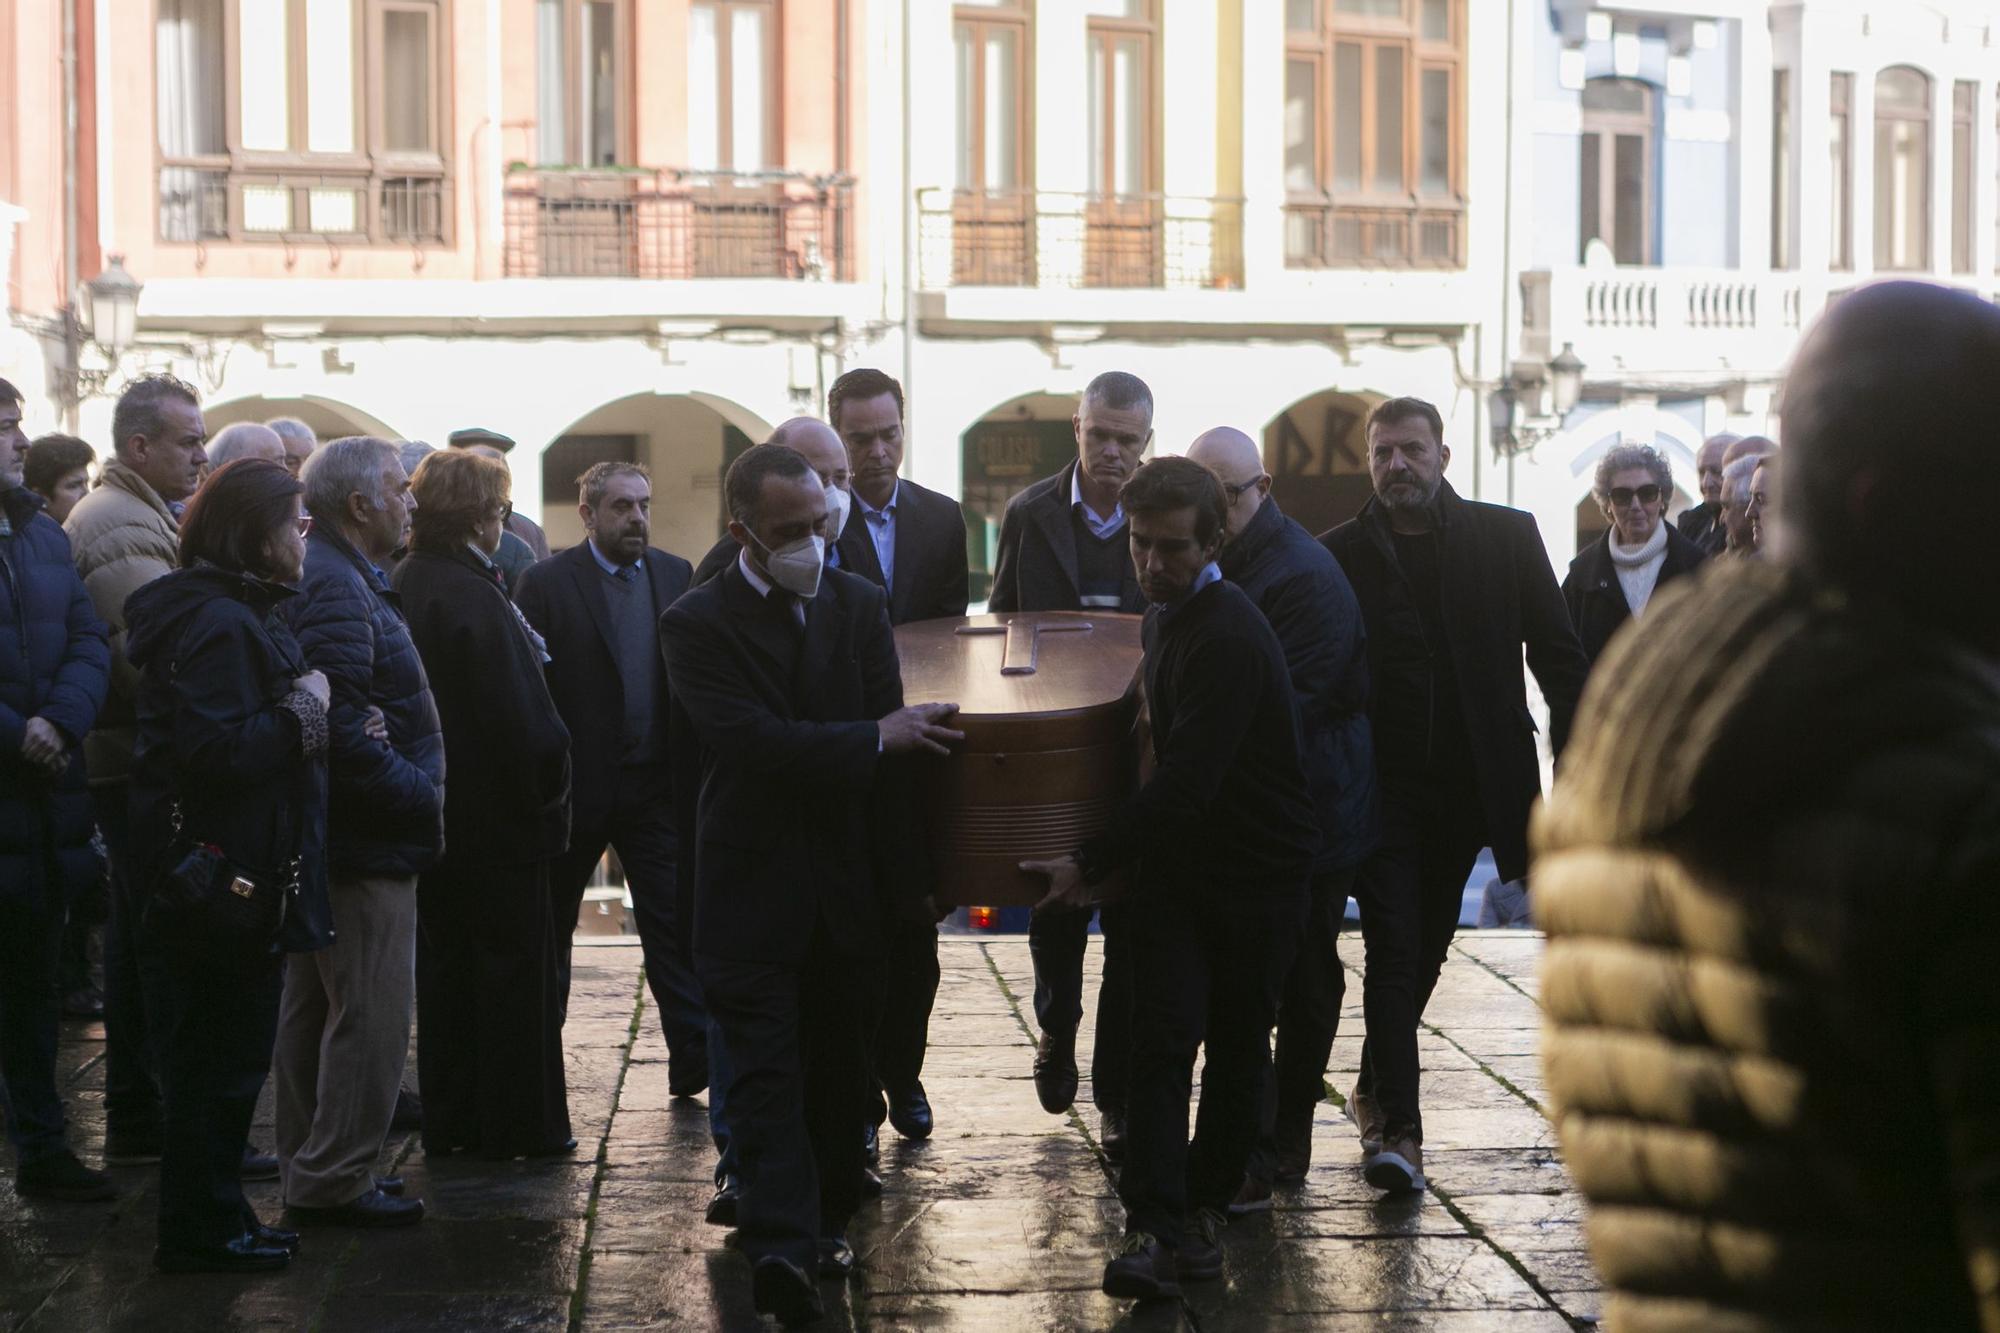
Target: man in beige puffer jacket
x: 124, y: 535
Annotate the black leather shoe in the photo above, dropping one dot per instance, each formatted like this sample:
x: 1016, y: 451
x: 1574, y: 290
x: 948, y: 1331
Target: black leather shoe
x: 242, y: 1255
x: 778, y: 1287
x: 1144, y: 1270
x: 60, y: 1176
x: 871, y: 1184
x: 131, y: 1148
x: 836, y: 1258
x: 258, y: 1165
x: 409, y: 1115
x: 390, y: 1185
x: 275, y: 1238
x: 1111, y: 1133
x: 373, y: 1209
x: 910, y: 1112
x: 722, y: 1208
x: 871, y: 1144
x: 689, y: 1082
x: 1055, y: 1071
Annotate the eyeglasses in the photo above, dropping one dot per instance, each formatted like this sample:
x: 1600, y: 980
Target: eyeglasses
x: 305, y: 524
x: 1623, y: 495
x: 1235, y: 492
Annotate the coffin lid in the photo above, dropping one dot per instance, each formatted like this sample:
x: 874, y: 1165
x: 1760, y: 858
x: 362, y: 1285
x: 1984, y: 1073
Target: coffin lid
x: 1083, y: 661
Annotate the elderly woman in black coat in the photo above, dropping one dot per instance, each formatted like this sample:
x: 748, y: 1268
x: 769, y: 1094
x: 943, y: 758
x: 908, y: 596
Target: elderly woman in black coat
x: 1612, y: 579
x: 231, y: 754
x: 489, y: 1003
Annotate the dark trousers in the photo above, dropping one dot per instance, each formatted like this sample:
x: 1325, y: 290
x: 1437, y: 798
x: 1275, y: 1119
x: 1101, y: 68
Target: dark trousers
x: 131, y: 1078
x: 640, y: 828
x: 31, y: 921
x: 799, y: 1082
x: 214, y: 1015
x: 1308, y: 1021
x: 489, y: 1015
x: 1056, y: 942
x: 1207, y: 970
x: 1410, y: 893
x: 902, y: 1029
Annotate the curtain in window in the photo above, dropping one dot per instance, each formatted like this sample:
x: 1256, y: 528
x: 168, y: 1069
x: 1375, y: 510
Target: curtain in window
x: 552, y: 127
x: 189, y: 115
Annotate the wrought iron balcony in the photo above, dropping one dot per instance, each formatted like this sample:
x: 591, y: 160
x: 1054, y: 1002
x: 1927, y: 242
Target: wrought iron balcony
x: 1043, y: 238
x: 670, y: 223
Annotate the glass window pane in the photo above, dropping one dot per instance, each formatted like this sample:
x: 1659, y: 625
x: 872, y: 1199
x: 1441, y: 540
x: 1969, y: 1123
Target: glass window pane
x: 1098, y: 151
x: 1902, y: 89
x: 188, y: 39
x: 747, y: 39
x: 1437, y: 20
x: 267, y: 208
x: 1961, y: 179
x: 1302, y: 15
x: 704, y: 89
x: 1902, y: 194
x: 551, y: 125
x: 1436, y: 177
x: 1629, y: 201
x: 1842, y: 191
x: 1003, y: 108
x: 330, y: 76
x: 1590, y: 186
x: 1380, y: 9
x: 599, y: 83
x: 334, y: 211
x: 1347, y: 116
x: 406, y: 81
x: 262, y: 70
x: 1781, y: 169
x: 1389, y: 177
x: 1129, y: 165
x: 1115, y: 9
x: 965, y: 57
x: 1301, y: 127
x: 1629, y: 96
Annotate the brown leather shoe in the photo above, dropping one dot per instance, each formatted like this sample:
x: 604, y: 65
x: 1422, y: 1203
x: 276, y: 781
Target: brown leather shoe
x: 1366, y: 1113
x: 1396, y: 1167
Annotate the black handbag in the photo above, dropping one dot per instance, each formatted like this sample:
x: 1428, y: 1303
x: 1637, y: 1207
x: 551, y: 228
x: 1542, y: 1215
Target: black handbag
x: 205, y: 892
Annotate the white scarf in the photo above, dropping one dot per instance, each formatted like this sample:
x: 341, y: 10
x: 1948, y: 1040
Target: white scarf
x: 1639, y: 566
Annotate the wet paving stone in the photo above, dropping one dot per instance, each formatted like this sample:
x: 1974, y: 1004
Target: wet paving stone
x: 1001, y: 1221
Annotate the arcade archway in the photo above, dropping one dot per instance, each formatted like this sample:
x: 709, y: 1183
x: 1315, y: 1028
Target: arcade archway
x: 1004, y: 452
x: 329, y: 420
x: 1316, y: 451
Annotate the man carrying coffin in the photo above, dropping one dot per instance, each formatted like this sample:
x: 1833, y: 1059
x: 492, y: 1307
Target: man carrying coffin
x: 1219, y: 843
x: 788, y: 676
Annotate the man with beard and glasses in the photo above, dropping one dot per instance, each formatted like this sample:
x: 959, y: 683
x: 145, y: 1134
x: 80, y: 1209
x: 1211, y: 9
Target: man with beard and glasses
x: 1451, y: 592
x: 598, y: 606
x: 1063, y: 548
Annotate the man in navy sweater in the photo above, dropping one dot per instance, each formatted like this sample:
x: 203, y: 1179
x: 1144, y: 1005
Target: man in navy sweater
x: 1221, y: 842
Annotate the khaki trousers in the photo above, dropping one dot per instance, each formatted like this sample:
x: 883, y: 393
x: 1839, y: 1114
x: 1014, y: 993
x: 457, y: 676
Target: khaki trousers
x: 343, y: 1037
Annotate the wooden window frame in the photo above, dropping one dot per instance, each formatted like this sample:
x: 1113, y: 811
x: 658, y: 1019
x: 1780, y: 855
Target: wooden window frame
x: 1840, y: 106
x: 1107, y: 32
x: 368, y: 170
x: 572, y: 92
x: 1608, y: 126
x: 1420, y: 54
x: 1019, y: 16
x: 1926, y: 262
x: 725, y: 111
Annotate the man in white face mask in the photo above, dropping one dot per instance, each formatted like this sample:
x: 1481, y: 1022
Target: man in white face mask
x: 787, y: 674
x: 815, y: 441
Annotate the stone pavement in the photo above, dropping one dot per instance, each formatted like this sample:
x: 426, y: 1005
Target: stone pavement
x: 1002, y: 1221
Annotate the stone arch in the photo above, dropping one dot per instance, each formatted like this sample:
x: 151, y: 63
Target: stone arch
x: 1316, y: 451
x: 329, y: 417
x: 685, y: 440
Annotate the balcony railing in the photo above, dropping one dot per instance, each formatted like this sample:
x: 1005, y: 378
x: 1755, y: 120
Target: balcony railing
x: 675, y: 224
x: 1667, y: 319
x: 208, y: 199
x: 1041, y: 238
x: 1320, y: 233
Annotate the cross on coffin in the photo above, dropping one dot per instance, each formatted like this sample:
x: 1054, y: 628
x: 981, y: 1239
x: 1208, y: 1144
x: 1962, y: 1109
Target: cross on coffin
x: 1024, y: 634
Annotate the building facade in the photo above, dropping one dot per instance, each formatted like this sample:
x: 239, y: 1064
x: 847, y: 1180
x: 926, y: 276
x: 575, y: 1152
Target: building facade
x: 651, y: 229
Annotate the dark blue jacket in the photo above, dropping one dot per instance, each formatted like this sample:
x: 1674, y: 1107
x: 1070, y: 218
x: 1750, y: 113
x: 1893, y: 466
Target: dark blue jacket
x: 385, y: 801
x: 1302, y: 591
x: 55, y: 663
x: 216, y: 664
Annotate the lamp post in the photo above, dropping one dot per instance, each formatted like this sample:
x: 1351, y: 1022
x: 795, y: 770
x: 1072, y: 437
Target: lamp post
x: 113, y: 299
x: 1517, y: 402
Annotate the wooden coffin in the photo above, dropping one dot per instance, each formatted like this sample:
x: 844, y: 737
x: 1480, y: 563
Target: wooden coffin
x: 1048, y: 702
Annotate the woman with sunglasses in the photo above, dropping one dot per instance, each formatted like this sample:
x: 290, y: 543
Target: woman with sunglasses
x: 231, y: 753
x: 1614, y: 578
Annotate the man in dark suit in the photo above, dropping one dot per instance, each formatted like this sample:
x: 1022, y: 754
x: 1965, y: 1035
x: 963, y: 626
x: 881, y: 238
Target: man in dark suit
x: 1063, y: 548
x: 598, y: 605
x: 1451, y: 591
x: 787, y: 676
x: 1221, y: 838
x: 910, y: 542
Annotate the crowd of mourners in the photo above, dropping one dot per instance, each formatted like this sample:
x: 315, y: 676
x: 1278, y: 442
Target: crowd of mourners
x: 317, y: 736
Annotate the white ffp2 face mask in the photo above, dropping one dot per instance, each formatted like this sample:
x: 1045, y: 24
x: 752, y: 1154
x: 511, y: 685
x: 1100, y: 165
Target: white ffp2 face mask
x: 796, y: 566
x: 837, y: 505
